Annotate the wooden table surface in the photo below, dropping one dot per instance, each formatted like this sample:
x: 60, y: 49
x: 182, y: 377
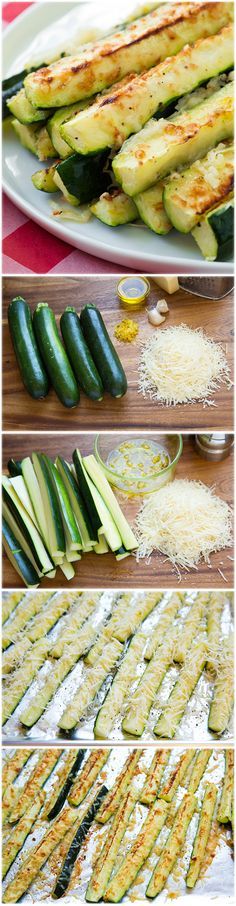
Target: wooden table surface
x: 94, y: 571
x: 21, y: 412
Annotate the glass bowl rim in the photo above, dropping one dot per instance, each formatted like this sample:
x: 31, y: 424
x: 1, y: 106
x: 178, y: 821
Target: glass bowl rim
x: 155, y: 475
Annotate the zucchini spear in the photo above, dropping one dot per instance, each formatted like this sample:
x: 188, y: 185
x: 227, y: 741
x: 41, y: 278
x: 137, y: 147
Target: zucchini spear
x: 23, y: 677
x: 10, y: 603
x: 166, y: 618
x: 215, y: 608
x: 41, y: 624
x: 59, y: 780
x: 136, y: 716
x: 172, y: 847
x: 91, y: 685
x: 106, y: 860
x: 14, y: 655
x: 28, y: 608
x: 225, y: 810
x: 150, y: 790
x: 13, y: 766
x: 183, y: 689
x: 120, y: 787
x: 44, y: 767
x: 81, y: 833
x: 18, y: 837
x: 117, y: 693
x: 138, y: 853
x: 203, y: 831
x: 75, y: 619
x: 223, y: 695
x: 109, y: 630
x: 199, y: 767
x: 188, y: 630
x: 57, y: 806
x: 168, y: 791
x: 88, y: 775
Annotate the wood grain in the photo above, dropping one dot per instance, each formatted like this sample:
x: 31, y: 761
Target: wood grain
x: 95, y: 571
x: 21, y: 412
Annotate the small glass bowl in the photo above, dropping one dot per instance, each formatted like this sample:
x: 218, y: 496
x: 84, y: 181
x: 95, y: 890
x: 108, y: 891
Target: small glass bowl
x: 105, y: 444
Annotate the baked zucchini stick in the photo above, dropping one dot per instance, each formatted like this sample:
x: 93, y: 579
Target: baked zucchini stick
x: 203, y: 831
x: 106, y: 860
x: 136, y: 716
x: 59, y: 781
x: 183, y: 689
x: 120, y: 787
x: 39, y: 855
x: 58, y: 673
x: 18, y: 837
x: 81, y: 833
x: 72, y: 623
x: 199, y: 767
x: 88, y: 775
x: 23, y: 676
x: 150, y: 790
x: 14, y: 655
x: 215, y: 608
x: 43, y: 622
x: 31, y: 604
x: 166, y: 619
x: 190, y: 627
x: 91, y: 685
x: 56, y: 808
x: 13, y: 766
x: 116, y: 695
x: 44, y: 767
x: 138, y: 853
x: 168, y: 791
x: 172, y: 847
x: 10, y: 798
x: 225, y: 809
x: 10, y: 603
x: 223, y: 695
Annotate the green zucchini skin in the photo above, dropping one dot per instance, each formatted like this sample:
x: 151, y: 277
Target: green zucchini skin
x: 18, y: 558
x: 81, y: 833
x: 9, y: 87
x: 84, y: 176
x: 26, y: 350
x: 54, y: 356
x: 67, y: 785
x: 14, y: 467
x: 85, y: 492
x: 104, y: 354
x: 80, y: 356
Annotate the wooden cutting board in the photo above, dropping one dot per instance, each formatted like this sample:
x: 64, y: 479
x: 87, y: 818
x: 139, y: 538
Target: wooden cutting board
x: 21, y: 412
x: 94, y: 571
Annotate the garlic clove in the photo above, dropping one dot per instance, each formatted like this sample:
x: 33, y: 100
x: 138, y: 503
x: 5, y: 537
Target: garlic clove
x: 162, y: 306
x: 155, y: 317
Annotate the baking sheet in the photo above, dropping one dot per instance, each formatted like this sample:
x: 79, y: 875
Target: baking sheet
x: 216, y: 882
x: 192, y: 728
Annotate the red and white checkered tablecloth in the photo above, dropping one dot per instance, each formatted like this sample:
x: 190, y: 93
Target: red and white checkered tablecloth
x: 27, y: 247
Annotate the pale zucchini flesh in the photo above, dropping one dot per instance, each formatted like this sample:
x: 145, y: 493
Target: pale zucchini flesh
x: 164, y: 145
x: 120, y: 787
x: 223, y: 695
x: 116, y: 695
x: 206, y: 183
x: 151, y: 209
x: 23, y: 676
x: 43, y: 180
x: 166, y: 618
x: 95, y: 762
x: 134, y: 48
x: 182, y: 691
x: 58, y: 673
x: 203, y: 831
x: 99, y: 479
x: 168, y: 791
x: 44, y: 767
x: 214, y: 233
x: 124, y: 110
x: 225, y: 810
x: 91, y: 685
x: 199, y: 767
x: 106, y: 860
x: 22, y: 109
x: 73, y: 622
x: 18, y: 837
x: 136, y: 716
x: 59, y: 118
x: 138, y: 853
x: 114, y: 208
x: 151, y: 787
x: 172, y: 847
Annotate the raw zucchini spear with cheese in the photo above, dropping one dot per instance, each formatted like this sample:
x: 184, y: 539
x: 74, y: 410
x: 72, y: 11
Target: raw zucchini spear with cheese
x: 14, y: 655
x: 22, y: 678
x: 164, y: 145
x: 121, y: 785
x: 51, y: 613
x: 150, y: 790
x: 214, y: 234
x: 91, y: 685
x: 203, y: 831
x: 175, y: 779
x: 225, y: 810
x: 10, y: 603
x: 107, y: 857
x: 88, y: 775
x: 28, y: 607
x: 138, y: 853
x: 124, y: 110
x: 114, y: 208
x: 58, y: 673
x: 116, y: 695
x: 22, y: 109
x: 72, y: 623
x: 215, y: 608
x: 183, y: 689
x: 17, y: 838
x: 190, y: 627
x: 206, y: 183
x: 136, y: 716
x: 81, y: 179
x: 151, y: 209
x: 38, y: 855
x: 165, y: 621
x: 172, y: 847
x: 223, y: 695
x: 133, y: 48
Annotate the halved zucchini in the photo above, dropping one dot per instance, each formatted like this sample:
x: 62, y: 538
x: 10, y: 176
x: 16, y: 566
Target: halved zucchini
x: 206, y: 183
x: 214, y: 234
x: 114, y: 208
x: 163, y: 145
x: 151, y: 209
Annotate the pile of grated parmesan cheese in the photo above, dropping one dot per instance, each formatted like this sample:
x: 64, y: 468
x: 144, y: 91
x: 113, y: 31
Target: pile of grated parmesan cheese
x: 186, y: 522
x: 181, y: 365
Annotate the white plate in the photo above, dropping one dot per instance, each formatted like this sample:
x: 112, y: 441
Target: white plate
x: 130, y: 246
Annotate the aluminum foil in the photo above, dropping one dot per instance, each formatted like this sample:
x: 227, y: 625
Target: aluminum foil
x: 192, y: 728
x: 215, y: 883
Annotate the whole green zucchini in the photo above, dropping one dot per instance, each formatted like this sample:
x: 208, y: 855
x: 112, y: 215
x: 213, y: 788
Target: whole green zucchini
x: 104, y: 354
x: 80, y: 355
x: 26, y: 350
x: 54, y: 356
